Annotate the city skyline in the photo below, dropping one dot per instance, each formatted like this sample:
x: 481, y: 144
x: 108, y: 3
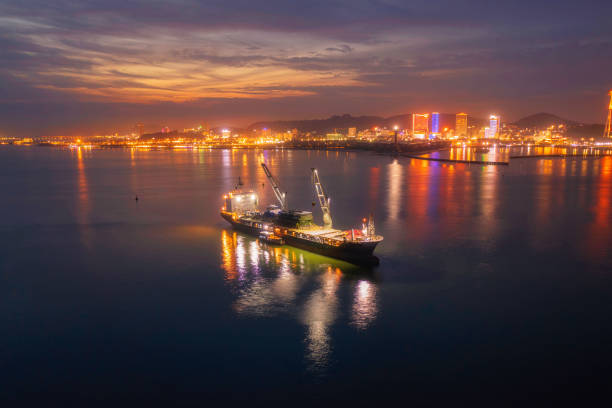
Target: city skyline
x: 92, y: 68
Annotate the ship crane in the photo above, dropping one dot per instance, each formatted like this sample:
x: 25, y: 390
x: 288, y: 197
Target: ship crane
x: 281, y: 197
x: 323, y: 198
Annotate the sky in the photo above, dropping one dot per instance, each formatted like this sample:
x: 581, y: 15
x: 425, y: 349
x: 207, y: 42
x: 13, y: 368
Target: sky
x: 90, y: 67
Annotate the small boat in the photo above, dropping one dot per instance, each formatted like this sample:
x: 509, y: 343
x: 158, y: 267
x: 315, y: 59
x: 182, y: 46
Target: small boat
x: 270, y: 238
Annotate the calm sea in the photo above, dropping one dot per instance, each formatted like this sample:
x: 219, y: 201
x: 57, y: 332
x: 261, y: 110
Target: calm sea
x: 494, y: 282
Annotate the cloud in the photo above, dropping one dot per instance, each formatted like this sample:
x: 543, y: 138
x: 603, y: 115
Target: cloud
x: 383, y: 55
x: 343, y: 48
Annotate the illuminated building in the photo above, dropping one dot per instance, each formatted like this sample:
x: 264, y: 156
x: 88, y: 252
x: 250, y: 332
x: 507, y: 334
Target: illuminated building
x: 494, y: 127
x: 607, y: 130
x: 140, y: 129
x: 286, y: 136
x: 435, y: 123
x: 461, y: 124
x: 334, y: 136
x: 487, y: 133
x: 420, y: 125
x: 352, y: 132
x: 366, y: 134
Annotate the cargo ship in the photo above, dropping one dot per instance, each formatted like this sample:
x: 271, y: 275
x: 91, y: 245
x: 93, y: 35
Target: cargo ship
x: 280, y: 225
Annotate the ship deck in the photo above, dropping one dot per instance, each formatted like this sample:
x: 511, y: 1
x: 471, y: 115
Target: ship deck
x: 330, y: 236
x: 316, y: 233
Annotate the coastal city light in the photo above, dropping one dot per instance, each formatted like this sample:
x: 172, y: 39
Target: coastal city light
x: 441, y: 129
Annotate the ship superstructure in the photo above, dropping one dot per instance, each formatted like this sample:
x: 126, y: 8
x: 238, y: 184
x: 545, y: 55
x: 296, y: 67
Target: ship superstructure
x: 297, y: 227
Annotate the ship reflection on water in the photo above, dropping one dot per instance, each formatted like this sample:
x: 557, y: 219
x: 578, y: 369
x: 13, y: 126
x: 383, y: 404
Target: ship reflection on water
x: 318, y: 292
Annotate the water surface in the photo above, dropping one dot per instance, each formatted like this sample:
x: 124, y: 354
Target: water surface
x: 494, y: 282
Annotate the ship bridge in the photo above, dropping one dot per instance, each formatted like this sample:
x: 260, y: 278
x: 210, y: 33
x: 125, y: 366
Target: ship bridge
x: 241, y: 202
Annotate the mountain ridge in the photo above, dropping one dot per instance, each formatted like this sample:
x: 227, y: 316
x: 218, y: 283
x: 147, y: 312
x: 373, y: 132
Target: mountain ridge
x: 542, y: 120
x: 345, y: 121
x: 404, y: 121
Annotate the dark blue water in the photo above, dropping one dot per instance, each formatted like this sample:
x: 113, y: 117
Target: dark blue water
x: 494, y: 284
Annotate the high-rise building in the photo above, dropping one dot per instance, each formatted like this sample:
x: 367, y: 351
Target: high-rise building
x: 204, y: 127
x: 435, y: 122
x: 461, y: 124
x: 608, y: 128
x: 352, y: 132
x: 140, y: 129
x: 420, y: 125
x: 494, y: 126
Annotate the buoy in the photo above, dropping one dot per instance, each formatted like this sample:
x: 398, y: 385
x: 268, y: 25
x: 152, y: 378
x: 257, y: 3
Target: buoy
x: 136, y: 198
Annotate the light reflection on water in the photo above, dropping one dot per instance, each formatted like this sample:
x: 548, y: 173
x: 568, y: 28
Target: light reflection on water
x: 418, y: 202
x: 318, y: 314
x: 502, y: 153
x: 395, y: 189
x: 474, y: 258
x: 270, y: 280
x: 83, y: 205
x: 364, y: 305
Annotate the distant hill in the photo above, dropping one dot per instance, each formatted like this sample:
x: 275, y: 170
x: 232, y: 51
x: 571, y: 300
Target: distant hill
x: 343, y: 122
x: 574, y: 129
x: 543, y: 120
x: 322, y: 125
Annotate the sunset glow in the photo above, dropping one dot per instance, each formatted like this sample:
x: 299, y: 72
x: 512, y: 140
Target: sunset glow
x: 233, y: 62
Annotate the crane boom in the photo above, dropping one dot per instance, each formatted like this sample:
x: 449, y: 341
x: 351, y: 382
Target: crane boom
x: 281, y: 197
x: 323, y: 198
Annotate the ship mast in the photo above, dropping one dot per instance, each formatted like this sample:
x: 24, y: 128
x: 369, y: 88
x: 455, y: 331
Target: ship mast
x: 323, y: 198
x: 281, y: 197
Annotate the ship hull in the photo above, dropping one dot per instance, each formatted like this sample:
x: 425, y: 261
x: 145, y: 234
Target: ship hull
x: 239, y: 226
x: 357, y: 253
